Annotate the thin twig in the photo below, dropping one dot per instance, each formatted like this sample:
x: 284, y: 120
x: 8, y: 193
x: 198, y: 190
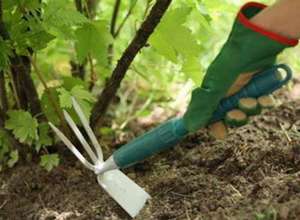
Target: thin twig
x: 93, y: 73
x: 3, y: 95
x: 3, y: 204
x: 285, y: 132
x: 187, y: 214
x: 147, y: 8
x: 116, y: 34
x: 114, y: 17
x: 87, y: 10
x: 14, y: 90
x: 113, y: 22
x: 1, y: 11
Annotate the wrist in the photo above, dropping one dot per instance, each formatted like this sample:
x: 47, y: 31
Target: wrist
x: 279, y: 19
x: 265, y: 23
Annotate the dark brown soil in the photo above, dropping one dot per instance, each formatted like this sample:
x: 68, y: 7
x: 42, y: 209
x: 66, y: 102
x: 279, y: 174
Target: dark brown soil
x: 254, y: 174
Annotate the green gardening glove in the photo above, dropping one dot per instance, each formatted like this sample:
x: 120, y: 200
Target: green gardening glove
x: 248, y: 49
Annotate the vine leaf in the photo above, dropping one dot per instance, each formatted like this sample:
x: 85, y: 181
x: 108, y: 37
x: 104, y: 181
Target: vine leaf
x: 93, y: 38
x: 23, y: 125
x: 59, y: 17
x: 49, y: 161
x: 176, y: 42
x: 83, y: 97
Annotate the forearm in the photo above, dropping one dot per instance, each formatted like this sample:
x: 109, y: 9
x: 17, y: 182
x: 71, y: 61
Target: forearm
x: 282, y: 18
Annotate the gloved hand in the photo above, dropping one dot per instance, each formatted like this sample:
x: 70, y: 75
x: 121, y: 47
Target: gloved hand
x: 249, y: 49
x: 247, y: 107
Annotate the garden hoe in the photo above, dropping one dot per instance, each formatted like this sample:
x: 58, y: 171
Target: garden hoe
x: 129, y: 195
x: 123, y: 190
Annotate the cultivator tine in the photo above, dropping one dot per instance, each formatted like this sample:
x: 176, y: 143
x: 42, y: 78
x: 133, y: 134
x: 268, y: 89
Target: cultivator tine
x: 72, y: 148
x: 80, y: 137
x: 122, y: 189
x: 88, y: 129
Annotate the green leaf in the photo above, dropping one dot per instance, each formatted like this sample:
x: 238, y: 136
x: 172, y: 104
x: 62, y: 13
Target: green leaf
x: 37, y: 37
x: 162, y: 45
x: 84, y: 98
x: 65, y: 100
x: 14, y: 157
x: 23, y: 125
x: 82, y: 94
x: 93, y: 38
x: 24, y: 4
x: 60, y: 17
x: 49, y: 161
x: 70, y: 81
x: 172, y: 39
x: 44, y: 138
x: 193, y: 70
x: 29, y: 33
x: 106, y: 131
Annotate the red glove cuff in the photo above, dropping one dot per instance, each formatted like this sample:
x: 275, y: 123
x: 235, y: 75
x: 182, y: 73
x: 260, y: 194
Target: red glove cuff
x: 242, y: 18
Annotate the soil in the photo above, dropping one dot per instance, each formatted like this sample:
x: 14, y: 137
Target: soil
x: 253, y: 174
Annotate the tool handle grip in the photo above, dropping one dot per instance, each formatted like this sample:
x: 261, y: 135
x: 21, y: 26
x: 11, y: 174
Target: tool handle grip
x: 263, y: 83
x: 171, y: 132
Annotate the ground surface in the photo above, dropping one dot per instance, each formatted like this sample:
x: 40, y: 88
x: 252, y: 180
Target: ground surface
x: 254, y: 174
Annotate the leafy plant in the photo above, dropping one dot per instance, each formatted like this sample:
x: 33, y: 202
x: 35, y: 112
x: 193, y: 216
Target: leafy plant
x: 49, y: 161
x: 23, y: 126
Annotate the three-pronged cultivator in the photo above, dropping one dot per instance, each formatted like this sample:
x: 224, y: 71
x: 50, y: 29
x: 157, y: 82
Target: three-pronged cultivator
x: 123, y: 190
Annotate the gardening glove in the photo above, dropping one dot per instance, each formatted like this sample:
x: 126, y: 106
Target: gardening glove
x: 249, y: 49
x: 246, y: 107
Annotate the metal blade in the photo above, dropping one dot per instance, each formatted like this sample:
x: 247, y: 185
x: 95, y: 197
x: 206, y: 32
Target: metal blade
x: 80, y: 137
x: 130, y: 196
x: 88, y: 129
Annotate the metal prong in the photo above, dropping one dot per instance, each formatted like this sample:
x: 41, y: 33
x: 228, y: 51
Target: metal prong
x: 88, y: 129
x: 80, y: 137
x: 72, y: 148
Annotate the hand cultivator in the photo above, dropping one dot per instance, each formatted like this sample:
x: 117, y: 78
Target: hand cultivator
x: 129, y: 195
x: 123, y: 190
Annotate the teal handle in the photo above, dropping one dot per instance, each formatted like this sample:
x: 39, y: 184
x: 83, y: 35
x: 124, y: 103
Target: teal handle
x: 171, y: 132
x: 160, y: 138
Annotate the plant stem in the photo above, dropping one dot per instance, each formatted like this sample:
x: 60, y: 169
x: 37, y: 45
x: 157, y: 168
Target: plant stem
x: 93, y: 73
x: 118, y: 74
x: 14, y: 90
x: 3, y: 96
x: 51, y: 97
x: 114, y: 17
x: 117, y: 32
x: 147, y: 8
